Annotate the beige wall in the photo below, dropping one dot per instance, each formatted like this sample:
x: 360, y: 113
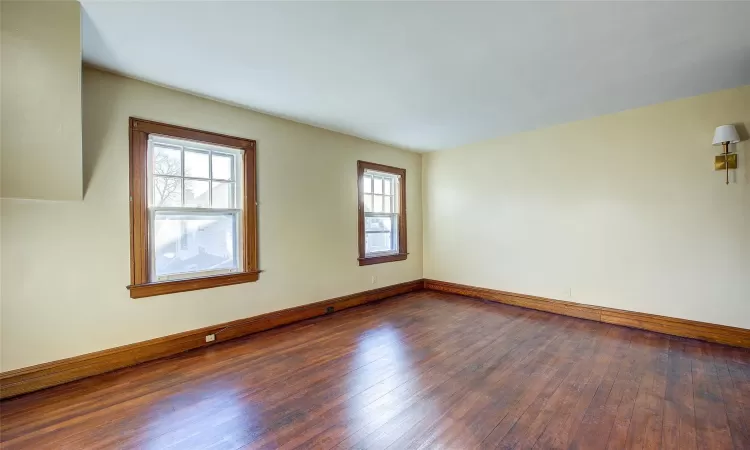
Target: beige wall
x: 623, y: 211
x: 64, y: 292
x: 41, y: 100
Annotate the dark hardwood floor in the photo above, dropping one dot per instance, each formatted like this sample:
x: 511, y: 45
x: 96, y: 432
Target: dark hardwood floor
x: 423, y: 370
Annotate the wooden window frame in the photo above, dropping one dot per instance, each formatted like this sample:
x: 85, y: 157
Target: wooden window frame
x: 363, y: 259
x: 140, y: 284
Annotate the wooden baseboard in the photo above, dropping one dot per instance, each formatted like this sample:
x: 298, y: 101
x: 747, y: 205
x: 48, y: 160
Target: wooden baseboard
x: 722, y: 334
x: 41, y: 376
x: 29, y: 379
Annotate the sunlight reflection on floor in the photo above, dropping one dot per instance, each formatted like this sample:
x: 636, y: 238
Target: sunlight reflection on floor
x: 220, y: 414
x: 389, y: 382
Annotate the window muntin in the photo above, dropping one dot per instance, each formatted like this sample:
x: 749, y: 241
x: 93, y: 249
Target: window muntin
x: 194, y: 209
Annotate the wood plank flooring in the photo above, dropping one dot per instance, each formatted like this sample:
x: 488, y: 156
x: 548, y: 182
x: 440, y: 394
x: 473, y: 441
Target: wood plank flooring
x: 420, y: 371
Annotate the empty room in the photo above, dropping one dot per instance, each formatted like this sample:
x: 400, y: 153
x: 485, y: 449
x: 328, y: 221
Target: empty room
x: 374, y: 224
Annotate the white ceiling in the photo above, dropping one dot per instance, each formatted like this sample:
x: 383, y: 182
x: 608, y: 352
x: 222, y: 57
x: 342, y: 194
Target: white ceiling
x: 426, y: 75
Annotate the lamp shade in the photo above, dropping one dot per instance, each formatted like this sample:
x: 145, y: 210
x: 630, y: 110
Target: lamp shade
x: 726, y: 133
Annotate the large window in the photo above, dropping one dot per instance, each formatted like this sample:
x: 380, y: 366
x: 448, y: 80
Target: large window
x: 382, y: 213
x: 192, y: 209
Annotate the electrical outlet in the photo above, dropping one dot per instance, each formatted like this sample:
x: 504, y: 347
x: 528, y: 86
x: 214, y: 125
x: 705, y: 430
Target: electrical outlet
x: 210, y: 338
x: 374, y: 279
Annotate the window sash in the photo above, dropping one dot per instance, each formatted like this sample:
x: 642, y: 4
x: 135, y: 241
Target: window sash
x: 236, y: 181
x: 183, y: 145
x: 394, y: 231
x: 393, y: 202
x: 238, y: 242
x: 392, y: 198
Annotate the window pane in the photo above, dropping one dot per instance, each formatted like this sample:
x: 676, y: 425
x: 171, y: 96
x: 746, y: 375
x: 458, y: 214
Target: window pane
x: 196, y: 164
x: 378, y: 242
x: 190, y: 243
x: 222, y: 166
x: 378, y: 205
x: 387, y: 203
x: 368, y: 203
x: 367, y: 183
x: 378, y: 223
x: 196, y: 193
x: 167, y: 191
x: 387, y: 186
x: 167, y: 161
x: 378, y: 188
x: 381, y: 234
x: 223, y: 195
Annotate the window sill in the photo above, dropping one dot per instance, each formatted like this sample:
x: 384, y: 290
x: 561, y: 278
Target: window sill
x: 193, y: 284
x: 382, y: 259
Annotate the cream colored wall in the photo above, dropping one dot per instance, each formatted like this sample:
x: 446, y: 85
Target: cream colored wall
x: 41, y: 100
x: 623, y: 211
x: 64, y: 293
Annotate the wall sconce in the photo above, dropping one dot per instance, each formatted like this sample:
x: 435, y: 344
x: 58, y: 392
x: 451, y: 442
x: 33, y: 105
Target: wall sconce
x: 725, y: 135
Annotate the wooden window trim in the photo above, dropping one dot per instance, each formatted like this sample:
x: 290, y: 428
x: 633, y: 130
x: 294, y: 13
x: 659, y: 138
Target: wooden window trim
x: 363, y: 259
x: 140, y: 285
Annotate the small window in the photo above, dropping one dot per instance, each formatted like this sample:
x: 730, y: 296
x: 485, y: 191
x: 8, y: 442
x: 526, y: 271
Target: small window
x: 382, y: 213
x: 192, y: 209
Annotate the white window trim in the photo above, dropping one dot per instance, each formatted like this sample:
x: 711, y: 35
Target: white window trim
x: 237, y: 213
x: 393, y: 215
